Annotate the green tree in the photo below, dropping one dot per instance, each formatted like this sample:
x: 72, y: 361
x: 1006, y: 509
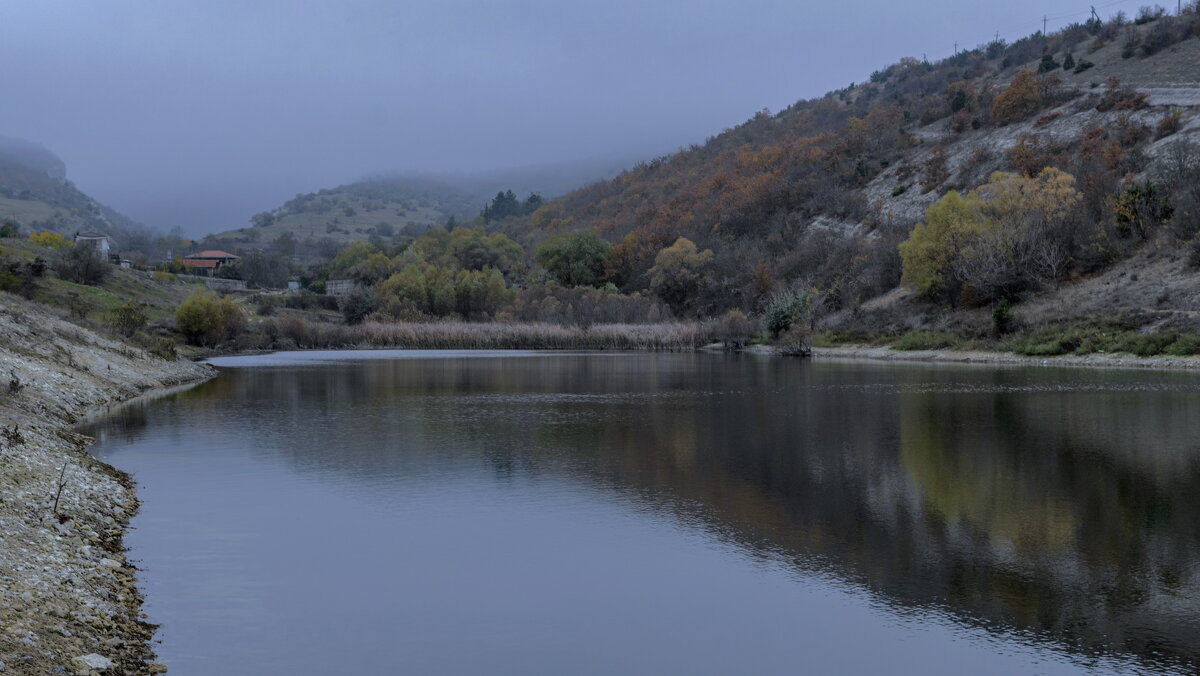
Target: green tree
x: 473, y: 249
x: 353, y: 254
x: 356, y: 305
x: 574, y: 259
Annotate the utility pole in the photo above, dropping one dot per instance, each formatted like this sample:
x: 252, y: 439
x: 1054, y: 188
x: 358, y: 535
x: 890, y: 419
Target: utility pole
x: 1043, y: 25
x: 956, y: 47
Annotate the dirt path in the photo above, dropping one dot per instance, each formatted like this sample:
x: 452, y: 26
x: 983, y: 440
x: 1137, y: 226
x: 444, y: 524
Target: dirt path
x: 1172, y: 96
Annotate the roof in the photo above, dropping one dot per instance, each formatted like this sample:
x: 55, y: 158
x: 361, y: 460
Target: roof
x: 90, y: 235
x: 192, y: 263
x: 209, y: 253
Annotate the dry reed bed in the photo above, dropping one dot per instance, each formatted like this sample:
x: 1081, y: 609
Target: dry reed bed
x: 666, y: 336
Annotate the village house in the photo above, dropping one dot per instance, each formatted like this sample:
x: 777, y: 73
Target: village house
x: 101, y: 244
x: 207, y: 262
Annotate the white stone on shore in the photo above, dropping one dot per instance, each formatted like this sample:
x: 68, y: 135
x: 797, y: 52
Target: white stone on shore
x: 94, y: 661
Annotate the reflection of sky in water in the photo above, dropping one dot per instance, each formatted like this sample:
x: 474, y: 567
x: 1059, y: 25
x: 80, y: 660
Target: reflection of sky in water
x: 664, y: 514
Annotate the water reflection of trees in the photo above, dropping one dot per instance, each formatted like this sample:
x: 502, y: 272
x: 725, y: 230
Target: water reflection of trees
x: 991, y: 493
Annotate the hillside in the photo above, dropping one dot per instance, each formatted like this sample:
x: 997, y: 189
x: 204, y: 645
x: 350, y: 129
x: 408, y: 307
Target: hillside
x: 36, y: 195
x: 817, y: 198
x: 382, y: 206
x: 387, y: 205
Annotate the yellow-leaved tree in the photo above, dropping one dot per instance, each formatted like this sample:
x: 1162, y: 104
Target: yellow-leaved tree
x: 1000, y: 238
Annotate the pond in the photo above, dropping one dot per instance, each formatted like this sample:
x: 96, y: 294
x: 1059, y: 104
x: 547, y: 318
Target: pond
x: 604, y: 513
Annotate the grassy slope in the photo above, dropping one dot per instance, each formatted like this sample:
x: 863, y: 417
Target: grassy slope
x: 160, y: 295
x: 339, y: 227
x: 26, y: 211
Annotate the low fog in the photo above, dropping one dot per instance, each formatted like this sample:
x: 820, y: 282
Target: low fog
x: 199, y: 114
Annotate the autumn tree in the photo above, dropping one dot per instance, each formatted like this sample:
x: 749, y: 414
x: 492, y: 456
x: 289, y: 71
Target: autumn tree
x: 679, y: 274
x: 997, y: 240
x: 207, y: 319
x: 1022, y: 98
x: 928, y: 252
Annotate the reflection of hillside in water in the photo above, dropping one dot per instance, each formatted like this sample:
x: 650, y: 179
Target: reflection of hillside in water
x: 1059, y: 502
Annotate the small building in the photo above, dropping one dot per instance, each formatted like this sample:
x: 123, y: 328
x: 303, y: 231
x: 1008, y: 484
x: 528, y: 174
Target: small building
x: 338, y: 287
x: 100, y: 243
x: 207, y: 262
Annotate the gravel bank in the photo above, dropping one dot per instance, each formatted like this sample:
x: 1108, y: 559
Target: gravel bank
x: 68, y: 600
x: 958, y: 357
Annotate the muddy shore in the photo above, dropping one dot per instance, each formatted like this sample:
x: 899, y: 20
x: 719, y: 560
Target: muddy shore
x: 68, y: 597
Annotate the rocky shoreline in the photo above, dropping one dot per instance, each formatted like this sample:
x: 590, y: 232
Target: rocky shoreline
x: 1005, y: 358
x: 68, y: 597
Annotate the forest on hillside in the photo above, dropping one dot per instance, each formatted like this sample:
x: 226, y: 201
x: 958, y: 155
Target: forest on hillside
x: 975, y: 182
x: 779, y: 209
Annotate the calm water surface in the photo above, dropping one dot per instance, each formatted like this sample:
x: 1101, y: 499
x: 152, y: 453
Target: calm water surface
x: 522, y: 513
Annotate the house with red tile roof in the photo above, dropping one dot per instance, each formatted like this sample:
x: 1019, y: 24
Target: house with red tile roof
x: 207, y: 262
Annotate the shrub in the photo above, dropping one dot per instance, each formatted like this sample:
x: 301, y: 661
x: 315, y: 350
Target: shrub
x: 936, y: 172
x: 9, y: 229
x: 1169, y: 124
x: 735, y: 329
x: 127, y: 318
x: 1186, y: 344
x: 356, y: 305
x: 207, y: 319
x: 1083, y: 65
x: 1001, y: 317
x: 83, y: 265
x: 1141, y: 208
x: 1022, y: 98
x: 1147, y: 13
x: 1048, y: 64
x: 784, y: 309
x: 794, y: 341
x: 899, y: 190
x: 10, y: 276
x: 1046, y: 344
x: 925, y: 340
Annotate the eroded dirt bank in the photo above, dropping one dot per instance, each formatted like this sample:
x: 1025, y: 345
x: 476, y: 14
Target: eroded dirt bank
x: 68, y: 600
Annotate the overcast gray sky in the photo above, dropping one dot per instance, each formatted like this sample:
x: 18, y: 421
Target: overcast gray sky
x: 200, y: 113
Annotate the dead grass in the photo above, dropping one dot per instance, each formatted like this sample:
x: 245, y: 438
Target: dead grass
x: 666, y: 336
